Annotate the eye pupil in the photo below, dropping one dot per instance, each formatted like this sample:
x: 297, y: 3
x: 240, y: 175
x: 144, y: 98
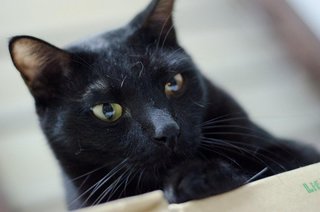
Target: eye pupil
x: 108, y: 111
x: 174, y: 86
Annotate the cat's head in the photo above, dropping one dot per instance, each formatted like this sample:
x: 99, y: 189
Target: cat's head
x: 130, y: 94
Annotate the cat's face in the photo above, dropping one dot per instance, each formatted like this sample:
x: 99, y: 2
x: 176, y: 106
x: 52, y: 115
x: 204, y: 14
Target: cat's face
x: 144, y: 105
x: 131, y: 94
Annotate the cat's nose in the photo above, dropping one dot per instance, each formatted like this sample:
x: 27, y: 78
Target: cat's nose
x: 167, y: 134
x: 164, y: 128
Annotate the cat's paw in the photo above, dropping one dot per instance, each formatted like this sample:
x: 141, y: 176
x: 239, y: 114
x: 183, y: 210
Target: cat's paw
x: 198, y: 180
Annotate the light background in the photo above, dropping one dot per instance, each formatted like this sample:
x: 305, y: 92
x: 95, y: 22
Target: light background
x: 232, y: 41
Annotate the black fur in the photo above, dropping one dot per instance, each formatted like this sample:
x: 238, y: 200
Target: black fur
x: 218, y: 148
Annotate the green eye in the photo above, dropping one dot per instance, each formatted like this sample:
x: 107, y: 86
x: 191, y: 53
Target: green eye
x: 174, y: 86
x: 108, y: 112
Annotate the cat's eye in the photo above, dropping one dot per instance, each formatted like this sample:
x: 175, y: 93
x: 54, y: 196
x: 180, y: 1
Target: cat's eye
x: 174, y: 86
x: 109, y: 112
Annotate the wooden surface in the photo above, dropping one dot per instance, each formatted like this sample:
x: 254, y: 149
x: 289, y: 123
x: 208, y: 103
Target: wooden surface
x: 232, y: 41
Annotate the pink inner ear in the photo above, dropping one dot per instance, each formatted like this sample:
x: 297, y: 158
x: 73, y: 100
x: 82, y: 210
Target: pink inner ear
x: 31, y: 56
x: 26, y: 58
x: 162, y: 11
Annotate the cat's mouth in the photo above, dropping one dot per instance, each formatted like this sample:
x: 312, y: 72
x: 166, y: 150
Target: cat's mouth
x: 163, y: 157
x: 157, y: 167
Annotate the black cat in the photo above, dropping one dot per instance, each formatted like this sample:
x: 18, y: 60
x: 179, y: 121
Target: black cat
x: 128, y: 112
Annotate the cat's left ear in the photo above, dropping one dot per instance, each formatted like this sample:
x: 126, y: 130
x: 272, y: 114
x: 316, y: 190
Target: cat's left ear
x: 41, y: 65
x: 156, y: 22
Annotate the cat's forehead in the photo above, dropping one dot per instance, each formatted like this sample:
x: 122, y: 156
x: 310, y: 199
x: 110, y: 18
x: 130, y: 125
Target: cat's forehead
x: 124, y: 70
x: 131, y: 60
x: 116, y: 63
x: 117, y: 50
x: 129, y: 69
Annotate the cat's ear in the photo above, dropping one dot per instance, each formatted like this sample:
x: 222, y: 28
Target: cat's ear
x: 156, y: 22
x: 40, y: 64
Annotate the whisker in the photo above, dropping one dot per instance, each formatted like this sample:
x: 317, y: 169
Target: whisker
x: 122, y: 82
x: 83, y: 182
x: 254, y: 154
x: 239, y: 133
x: 80, y: 196
x: 221, y: 141
x: 113, y: 191
x: 161, y: 31
x: 128, y: 180
x: 223, y: 120
x: 95, y: 185
x: 234, y: 126
x: 221, y: 117
x: 257, y: 136
x: 166, y: 36
x: 259, y: 133
x: 222, y: 155
x: 111, y: 188
x: 104, y: 180
x: 257, y: 175
x: 139, y: 180
x: 141, y: 70
x: 88, y: 173
x: 105, y: 192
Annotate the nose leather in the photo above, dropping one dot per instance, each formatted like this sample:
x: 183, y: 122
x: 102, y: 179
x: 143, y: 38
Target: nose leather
x: 165, y: 129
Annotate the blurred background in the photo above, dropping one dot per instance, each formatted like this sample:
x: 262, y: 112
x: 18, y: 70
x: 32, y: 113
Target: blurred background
x: 264, y: 52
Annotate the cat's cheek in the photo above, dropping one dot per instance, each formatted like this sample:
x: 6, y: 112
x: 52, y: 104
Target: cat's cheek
x: 190, y: 139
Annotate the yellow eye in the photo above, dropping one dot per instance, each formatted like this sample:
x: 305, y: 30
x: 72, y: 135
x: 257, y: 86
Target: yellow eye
x: 174, y: 86
x: 108, y: 112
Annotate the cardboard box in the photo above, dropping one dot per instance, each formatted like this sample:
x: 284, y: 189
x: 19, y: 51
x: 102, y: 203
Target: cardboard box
x: 294, y: 191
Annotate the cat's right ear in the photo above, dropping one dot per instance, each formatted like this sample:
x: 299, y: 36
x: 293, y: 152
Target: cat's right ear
x: 156, y: 22
x: 40, y: 64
